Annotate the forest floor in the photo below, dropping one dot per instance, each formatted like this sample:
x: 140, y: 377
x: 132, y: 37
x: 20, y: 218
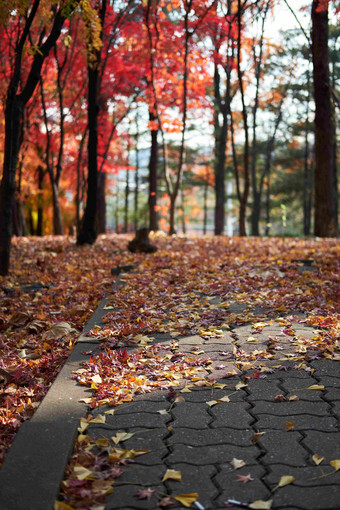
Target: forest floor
x: 207, y: 314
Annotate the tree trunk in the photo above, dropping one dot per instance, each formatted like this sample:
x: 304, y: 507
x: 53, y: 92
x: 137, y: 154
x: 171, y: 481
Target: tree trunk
x: 172, y: 211
x: 219, y: 167
x: 325, y: 222
x: 87, y: 232
x: 101, y: 204
x: 153, y: 222
x: 14, y: 114
x: 205, y: 207
x: 126, y: 204
x: 40, y: 205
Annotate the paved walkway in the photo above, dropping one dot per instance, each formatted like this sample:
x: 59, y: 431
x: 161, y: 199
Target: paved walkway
x: 279, y: 423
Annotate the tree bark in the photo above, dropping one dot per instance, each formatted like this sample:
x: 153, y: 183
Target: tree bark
x: 324, y: 207
x: 87, y: 233
x: 153, y: 221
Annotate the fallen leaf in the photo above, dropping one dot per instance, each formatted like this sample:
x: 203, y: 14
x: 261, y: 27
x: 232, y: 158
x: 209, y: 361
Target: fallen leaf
x: 261, y: 505
x: 294, y: 398
x: 317, y: 459
x: 244, y: 478
x: 240, y: 385
x: 162, y: 411
x: 316, y: 387
x: 257, y: 436
x: 237, y: 463
x: 99, y: 419
x: 166, y: 501
x: 335, y: 463
x: 186, y: 499
x: 145, y: 494
x: 252, y: 339
x: 122, y: 436
x: 212, y: 403
x: 172, y: 474
x: 58, y: 330
x: 289, y: 426
x: 224, y: 399
x: 286, y: 480
x: 81, y: 472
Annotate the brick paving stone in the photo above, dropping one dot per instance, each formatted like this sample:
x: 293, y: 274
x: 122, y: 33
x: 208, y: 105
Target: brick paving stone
x: 212, y: 437
x: 301, y: 422
x: 283, y: 447
x: 292, y: 408
x: 291, y: 373
x: 231, y: 414
x: 194, y: 479
x: 245, y: 492
x: 299, y: 388
x: 213, y: 454
x: 134, y: 476
x: 263, y: 389
x: 315, y: 498
x: 326, y: 367
x: 188, y: 414
x: 142, y: 419
x: 327, y: 445
x: 305, y: 476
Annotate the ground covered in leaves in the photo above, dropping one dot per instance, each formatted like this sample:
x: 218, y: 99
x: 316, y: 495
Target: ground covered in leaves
x: 188, y: 287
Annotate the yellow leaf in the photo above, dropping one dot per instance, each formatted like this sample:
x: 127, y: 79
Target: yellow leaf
x: 172, y: 474
x: 186, y: 499
x: 224, y: 399
x: 294, y: 398
x: 261, y: 505
x: 240, y: 385
x: 60, y: 505
x: 83, y: 425
x: 81, y: 472
x: 220, y: 386
x: 286, y: 480
x: 316, y: 387
x: 100, y: 419
x: 252, y: 339
x: 122, y: 436
x: 317, y: 459
x: 212, y: 403
x: 111, y: 412
x: 185, y: 390
x: 335, y: 464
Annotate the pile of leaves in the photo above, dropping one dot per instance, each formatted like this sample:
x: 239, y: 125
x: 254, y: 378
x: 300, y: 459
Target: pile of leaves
x: 52, y: 290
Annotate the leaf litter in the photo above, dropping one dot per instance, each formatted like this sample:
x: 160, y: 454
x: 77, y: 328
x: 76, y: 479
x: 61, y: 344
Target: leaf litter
x: 187, y: 288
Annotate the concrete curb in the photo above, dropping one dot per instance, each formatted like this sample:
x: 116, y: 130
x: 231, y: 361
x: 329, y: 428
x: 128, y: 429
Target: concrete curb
x: 34, y: 466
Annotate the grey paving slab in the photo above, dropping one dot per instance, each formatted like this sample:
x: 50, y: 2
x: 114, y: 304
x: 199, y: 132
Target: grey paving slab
x: 283, y: 447
x: 231, y: 488
x: 305, y: 476
x: 320, y: 408
x: 300, y: 388
x: 195, y: 479
x: 264, y: 389
x: 210, y: 437
x: 300, y: 422
x: 326, y: 367
x: 232, y: 414
x: 320, y: 497
x: 212, y: 454
x: 326, y: 444
x: 193, y: 415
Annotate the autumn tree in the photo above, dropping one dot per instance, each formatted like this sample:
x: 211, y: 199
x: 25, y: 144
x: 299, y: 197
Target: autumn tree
x: 20, y: 89
x: 325, y: 210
